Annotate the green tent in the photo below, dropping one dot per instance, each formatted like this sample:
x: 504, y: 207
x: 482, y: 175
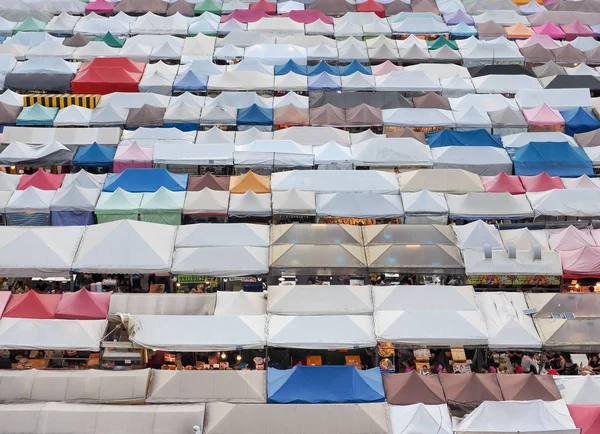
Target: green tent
x: 111, y: 40
x: 29, y: 25
x: 211, y: 6
x: 37, y: 115
x: 440, y: 42
x: 163, y: 206
x: 119, y: 205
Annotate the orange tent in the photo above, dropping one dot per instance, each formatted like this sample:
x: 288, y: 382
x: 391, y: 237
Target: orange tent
x: 249, y: 181
x: 290, y: 115
x: 519, y: 31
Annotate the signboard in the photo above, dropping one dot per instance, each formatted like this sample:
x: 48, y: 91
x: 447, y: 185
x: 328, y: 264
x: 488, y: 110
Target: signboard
x: 189, y: 279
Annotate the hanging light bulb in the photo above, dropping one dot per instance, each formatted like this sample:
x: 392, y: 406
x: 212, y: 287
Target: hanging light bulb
x: 238, y: 357
x: 223, y: 355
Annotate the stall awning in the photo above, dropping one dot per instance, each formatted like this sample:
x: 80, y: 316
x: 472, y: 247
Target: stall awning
x: 319, y: 300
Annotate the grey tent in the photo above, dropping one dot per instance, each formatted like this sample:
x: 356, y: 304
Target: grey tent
x: 42, y: 73
x: 364, y: 115
x: 382, y: 100
x: 407, y: 132
x: 432, y: 100
x: 490, y: 30
x: 568, y: 54
x: 9, y: 113
x: 537, y: 54
x: 77, y: 40
x: 588, y: 139
x: 146, y: 116
x: 508, y: 121
x: 548, y: 70
x: 182, y: 7
x: 332, y: 7
x: 133, y: 7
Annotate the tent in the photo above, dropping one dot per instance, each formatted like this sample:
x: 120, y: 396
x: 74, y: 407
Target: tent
x: 463, y: 138
x: 208, y: 180
x: 29, y: 207
x: 9, y: 182
x: 576, y: 29
x: 424, y: 207
x: 528, y: 387
x: 145, y: 181
x: 503, y: 183
x: 83, y: 305
x: 583, y: 181
x: 507, y: 121
x: 480, y: 160
x: 106, y: 75
x: 240, y: 303
x: 440, y: 180
x: 525, y: 239
x: 230, y: 234
x: 118, y: 205
x: 273, y: 153
x: 178, y: 387
x: 255, y: 115
x: 41, y: 180
x: 544, y: 118
x: 94, y: 155
x: 294, y: 202
x: 390, y: 152
x: 336, y: 181
x: 476, y: 234
x: 489, y: 206
x: 420, y: 418
x: 37, y: 115
x: 569, y: 238
x: 163, y: 206
x: 145, y: 116
x: 126, y: 247
x: 585, y: 417
x: 163, y: 304
x: 312, y: 300
x: 554, y: 158
x: 541, y: 182
x: 33, y: 155
x: 249, y: 182
x: 550, y: 29
x: 412, y: 388
x: 74, y: 205
x: 215, y: 261
x: 360, y: 206
x: 579, y: 390
x: 250, y: 204
x: 132, y: 156
x: 32, y: 305
x: 206, y: 202
x: 579, y: 121
x: 324, y: 385
x: 470, y: 390
x: 519, y: 416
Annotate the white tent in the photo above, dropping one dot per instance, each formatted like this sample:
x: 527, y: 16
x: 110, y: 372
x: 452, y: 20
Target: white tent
x: 472, y: 119
x: 181, y: 332
x: 504, y: 84
x: 98, y: 26
x: 250, y: 204
x: 273, y: 153
x: 153, y: 24
x: 485, y: 102
x: 9, y: 182
x: 193, y: 155
x: 177, y: 387
x: 420, y: 418
x: 91, y: 386
x: 521, y: 139
x: 321, y: 332
x: 336, y: 181
x: 207, y: 202
x: 579, y: 389
x: 430, y: 315
x: 73, y: 115
x: 66, y: 136
x: 507, y: 325
x: 241, y: 303
x: 51, y: 334
x: 480, y: 160
x: 221, y: 261
x: 294, y: 202
x: 50, y: 153
x: 456, y: 181
x: 524, y: 239
x: 109, y: 115
x: 126, y: 246
x: 95, y: 49
x: 418, y: 117
x: 66, y: 418
x: 277, y: 54
x: 313, y: 135
x: 75, y: 198
x: 566, y: 203
x: 333, y: 156
x: 456, y: 86
x: 389, y: 152
x: 319, y: 300
x: 477, y: 234
x: 406, y: 81
x: 361, y: 206
x: 223, y: 234
x: 49, y: 49
x: 30, y: 200
x: 424, y: 207
x: 163, y: 304
x: 512, y: 417
x: 477, y: 205
x: 521, y: 263
x: 558, y: 99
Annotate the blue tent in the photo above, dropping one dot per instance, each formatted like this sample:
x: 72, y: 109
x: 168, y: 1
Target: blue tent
x: 462, y: 30
x: 325, y: 81
x: 321, y: 67
x: 554, y: 158
x: 255, y: 115
x: 324, y: 384
x: 355, y: 66
x: 291, y: 66
x: 95, y: 155
x: 579, y: 120
x: 190, y: 81
x: 146, y: 180
x: 463, y: 138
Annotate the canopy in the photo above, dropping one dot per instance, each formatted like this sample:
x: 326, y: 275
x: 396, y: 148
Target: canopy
x: 541, y: 182
x: 132, y: 156
x: 554, y: 158
x: 163, y: 206
x: 178, y: 387
x: 528, y: 387
x: 476, y: 234
x: 351, y: 205
x: 324, y: 385
x: 221, y: 261
x: 53, y: 334
x: 145, y: 181
x: 560, y: 203
x: 503, y: 183
x: 108, y: 74
x: 32, y: 305
x: 585, y: 417
x: 83, y: 305
x: 208, y: 180
x: 294, y: 202
x: 336, y: 181
x: 424, y: 207
x: 33, y: 155
x: 442, y: 180
x: 581, y: 390
x: 315, y: 300
x: 41, y: 180
x: 476, y: 205
x: 579, y: 121
x: 223, y: 234
x: 480, y: 137
x: 94, y: 155
x: 471, y: 389
x: 163, y: 304
x: 480, y: 160
x: 420, y: 418
x: 386, y: 152
x: 180, y: 333
x: 412, y: 388
x: 249, y: 181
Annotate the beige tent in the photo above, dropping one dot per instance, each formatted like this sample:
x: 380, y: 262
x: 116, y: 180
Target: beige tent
x: 455, y: 181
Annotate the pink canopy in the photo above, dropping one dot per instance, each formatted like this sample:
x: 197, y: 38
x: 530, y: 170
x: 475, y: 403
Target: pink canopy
x: 502, y: 183
x: 583, y: 262
x: 573, y: 30
x: 570, y: 238
x: 32, y: 305
x: 245, y: 15
x: 264, y: 5
x: 83, y: 305
x: 586, y: 418
x: 132, y: 156
x: 541, y: 182
x: 307, y: 17
x: 42, y: 180
x: 4, y: 298
x: 544, y: 40
x: 100, y: 7
x: 385, y: 68
x: 543, y: 115
x: 551, y: 30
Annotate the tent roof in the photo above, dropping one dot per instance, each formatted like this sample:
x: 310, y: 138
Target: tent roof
x: 334, y: 181
x: 32, y: 305
x: 317, y: 234
x: 412, y: 388
x: 240, y: 303
x: 477, y: 205
x: 229, y: 261
x: 528, y: 387
x: 503, y: 183
x: 421, y: 418
x: 163, y: 304
x: 476, y: 234
x: 581, y: 390
x: 222, y: 234
x: 440, y: 180
x: 554, y: 158
x: 585, y: 417
x: 294, y: 202
x: 574, y: 203
x: 412, y: 234
x: 208, y: 180
x: 314, y: 300
x: 83, y: 304
x: 94, y: 155
x: 249, y: 181
x: 75, y: 198
x: 470, y: 389
x: 41, y: 180
x: 145, y: 180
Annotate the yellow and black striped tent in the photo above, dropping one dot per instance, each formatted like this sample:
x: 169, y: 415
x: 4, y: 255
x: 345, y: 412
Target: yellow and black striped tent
x: 62, y: 101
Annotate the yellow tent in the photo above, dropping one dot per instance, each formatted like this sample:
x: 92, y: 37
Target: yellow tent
x: 250, y: 181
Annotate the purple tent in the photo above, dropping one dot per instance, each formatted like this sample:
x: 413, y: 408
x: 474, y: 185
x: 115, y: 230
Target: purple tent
x: 458, y: 17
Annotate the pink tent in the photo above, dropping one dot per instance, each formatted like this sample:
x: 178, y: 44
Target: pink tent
x: 132, y: 156
x: 573, y: 30
x: 551, y: 30
x: 541, y: 39
x: 264, y: 5
x: 583, y: 262
x: 541, y: 182
x: 100, y: 7
x: 385, y: 68
x: 245, y: 16
x: 310, y: 16
x: 83, y: 305
x: 543, y: 115
x: 4, y: 298
x: 586, y: 418
x: 502, y: 183
x: 32, y: 305
x: 570, y: 238
x: 42, y: 180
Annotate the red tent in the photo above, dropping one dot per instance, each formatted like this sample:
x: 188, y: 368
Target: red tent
x: 245, y: 15
x: 265, y: 6
x: 108, y: 74
x: 32, y: 305
x: 42, y: 180
x: 371, y: 6
x: 586, y: 418
x: 4, y: 298
x: 541, y: 182
x: 83, y: 305
x: 100, y: 7
x: 502, y: 183
x: 308, y: 17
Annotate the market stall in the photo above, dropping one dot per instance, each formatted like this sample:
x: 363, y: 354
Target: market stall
x: 420, y: 418
x: 412, y: 388
x: 319, y: 300
x: 579, y: 389
x: 528, y: 387
x: 293, y: 206
x: 118, y: 205
x: 205, y: 205
x: 424, y: 206
x: 470, y: 390
x: 359, y: 209
x: 455, y: 181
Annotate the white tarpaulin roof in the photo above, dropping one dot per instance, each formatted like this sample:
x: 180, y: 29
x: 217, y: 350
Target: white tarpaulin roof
x: 241, y: 303
x: 519, y: 417
x: 250, y: 204
x: 456, y: 181
x: 273, y: 153
x: 90, y: 386
x: 176, y: 387
x: 221, y: 261
x: 418, y: 117
x: 387, y: 152
x: 207, y: 202
x: 475, y: 235
x: 524, y: 238
x: 477, y: 205
x: 579, y: 389
x: 126, y: 246
x: 336, y: 181
x: 480, y: 160
x: 187, y: 154
x: 321, y: 332
x: 420, y: 418
x: 65, y: 418
x: 583, y: 202
x: 428, y: 315
x: 203, y: 333
x: 319, y: 300
x: 294, y: 202
x: 523, y: 264
x: 38, y: 252
x: 51, y: 334
x: 222, y: 234
x: 352, y: 205
x: 163, y: 304
x: 558, y: 99
x: 508, y: 327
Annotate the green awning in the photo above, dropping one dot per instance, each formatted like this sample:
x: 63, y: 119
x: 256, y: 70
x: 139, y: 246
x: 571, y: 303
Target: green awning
x: 211, y: 6
x: 30, y: 25
x: 37, y: 115
x: 440, y: 42
x: 112, y: 41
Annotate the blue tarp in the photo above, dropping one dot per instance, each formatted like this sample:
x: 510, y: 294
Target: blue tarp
x: 579, y: 120
x: 554, y: 158
x: 146, y: 180
x: 355, y: 66
x: 325, y: 81
x: 479, y: 137
x: 255, y: 115
x: 324, y: 384
x: 95, y: 155
x: 291, y: 66
x: 462, y: 30
x: 72, y: 218
x: 321, y: 67
x: 190, y: 81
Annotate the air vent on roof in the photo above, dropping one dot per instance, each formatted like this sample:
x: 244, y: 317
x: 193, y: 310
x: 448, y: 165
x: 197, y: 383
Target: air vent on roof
x: 512, y: 251
x: 487, y: 250
x: 537, y: 252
